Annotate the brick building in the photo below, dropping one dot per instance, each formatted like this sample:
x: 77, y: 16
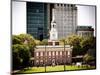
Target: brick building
x: 50, y: 55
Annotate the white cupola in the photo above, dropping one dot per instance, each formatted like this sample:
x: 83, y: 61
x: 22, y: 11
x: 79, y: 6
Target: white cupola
x: 53, y: 31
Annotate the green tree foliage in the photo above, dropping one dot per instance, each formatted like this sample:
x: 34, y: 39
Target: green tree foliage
x: 21, y: 56
x: 74, y: 40
x: 63, y: 41
x: 22, y: 49
x: 37, y: 42
x: 88, y: 58
x: 77, y: 50
x: 27, y: 39
x: 16, y: 39
x: 44, y: 42
x: 81, y: 45
x: 88, y: 43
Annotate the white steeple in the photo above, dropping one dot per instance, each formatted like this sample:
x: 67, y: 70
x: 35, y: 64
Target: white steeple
x: 53, y: 31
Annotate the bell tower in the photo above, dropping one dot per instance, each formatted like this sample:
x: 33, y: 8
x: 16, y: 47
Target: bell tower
x: 53, y: 32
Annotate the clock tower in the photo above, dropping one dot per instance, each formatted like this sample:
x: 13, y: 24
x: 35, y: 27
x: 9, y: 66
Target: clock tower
x: 53, y: 32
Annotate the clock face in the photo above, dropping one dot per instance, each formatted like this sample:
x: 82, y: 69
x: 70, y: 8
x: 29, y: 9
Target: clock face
x: 53, y: 35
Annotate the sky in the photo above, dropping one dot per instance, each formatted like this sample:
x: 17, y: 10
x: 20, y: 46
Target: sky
x: 86, y: 15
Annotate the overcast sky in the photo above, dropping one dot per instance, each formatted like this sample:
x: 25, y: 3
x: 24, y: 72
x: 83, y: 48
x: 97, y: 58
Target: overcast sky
x: 86, y: 15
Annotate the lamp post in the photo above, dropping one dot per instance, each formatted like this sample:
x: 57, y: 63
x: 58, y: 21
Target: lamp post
x: 63, y: 40
x: 64, y: 54
x: 45, y: 57
x: 45, y: 43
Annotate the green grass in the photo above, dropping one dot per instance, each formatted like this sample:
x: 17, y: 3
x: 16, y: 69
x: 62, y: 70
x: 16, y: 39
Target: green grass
x: 54, y: 68
x: 32, y: 70
x: 79, y: 68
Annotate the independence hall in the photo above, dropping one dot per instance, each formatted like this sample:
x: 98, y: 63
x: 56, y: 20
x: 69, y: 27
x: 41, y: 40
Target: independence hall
x: 52, y: 55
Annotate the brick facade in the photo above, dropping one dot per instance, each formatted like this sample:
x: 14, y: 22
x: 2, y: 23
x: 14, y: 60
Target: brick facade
x: 47, y: 55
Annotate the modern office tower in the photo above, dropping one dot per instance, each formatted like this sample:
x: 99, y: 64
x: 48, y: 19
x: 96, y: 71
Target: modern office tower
x: 85, y: 31
x: 66, y: 19
x: 38, y: 19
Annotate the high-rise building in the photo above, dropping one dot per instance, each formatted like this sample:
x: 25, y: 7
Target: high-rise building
x: 38, y: 19
x: 66, y: 19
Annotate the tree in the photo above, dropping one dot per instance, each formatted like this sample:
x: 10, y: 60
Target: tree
x: 21, y: 56
x: 74, y: 40
x: 88, y: 43
x: 44, y: 42
x: 22, y: 48
x: 26, y: 39
x: 16, y: 39
x: 77, y: 50
x: 15, y: 57
x: 89, y: 47
x: 88, y: 58
x: 37, y: 42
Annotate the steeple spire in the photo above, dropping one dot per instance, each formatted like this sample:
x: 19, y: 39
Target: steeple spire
x: 53, y: 31
x: 53, y: 22
x: 53, y: 15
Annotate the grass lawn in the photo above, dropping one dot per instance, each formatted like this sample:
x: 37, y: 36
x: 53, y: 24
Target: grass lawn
x: 54, y: 68
x: 79, y: 68
x: 32, y: 70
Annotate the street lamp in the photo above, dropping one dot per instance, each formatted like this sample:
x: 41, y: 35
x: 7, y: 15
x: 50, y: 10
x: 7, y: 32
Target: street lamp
x: 64, y: 54
x: 45, y: 57
x: 45, y: 43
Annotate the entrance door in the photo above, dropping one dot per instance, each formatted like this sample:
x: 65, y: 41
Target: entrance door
x: 53, y: 62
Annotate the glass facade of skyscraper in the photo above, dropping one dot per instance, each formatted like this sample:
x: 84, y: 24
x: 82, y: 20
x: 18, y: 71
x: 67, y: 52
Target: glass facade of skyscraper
x: 37, y: 20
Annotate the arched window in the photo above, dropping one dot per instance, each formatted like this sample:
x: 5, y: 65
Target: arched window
x: 60, y: 52
x: 37, y: 53
x: 49, y: 53
x: 53, y: 53
x: 56, y: 52
x: 41, y: 53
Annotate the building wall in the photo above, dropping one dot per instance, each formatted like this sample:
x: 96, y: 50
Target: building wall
x: 66, y: 19
x: 37, y: 19
x: 52, y: 55
x: 85, y: 33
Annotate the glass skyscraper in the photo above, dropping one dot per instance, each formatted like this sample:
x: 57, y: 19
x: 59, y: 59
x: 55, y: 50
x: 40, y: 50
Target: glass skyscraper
x: 37, y: 20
